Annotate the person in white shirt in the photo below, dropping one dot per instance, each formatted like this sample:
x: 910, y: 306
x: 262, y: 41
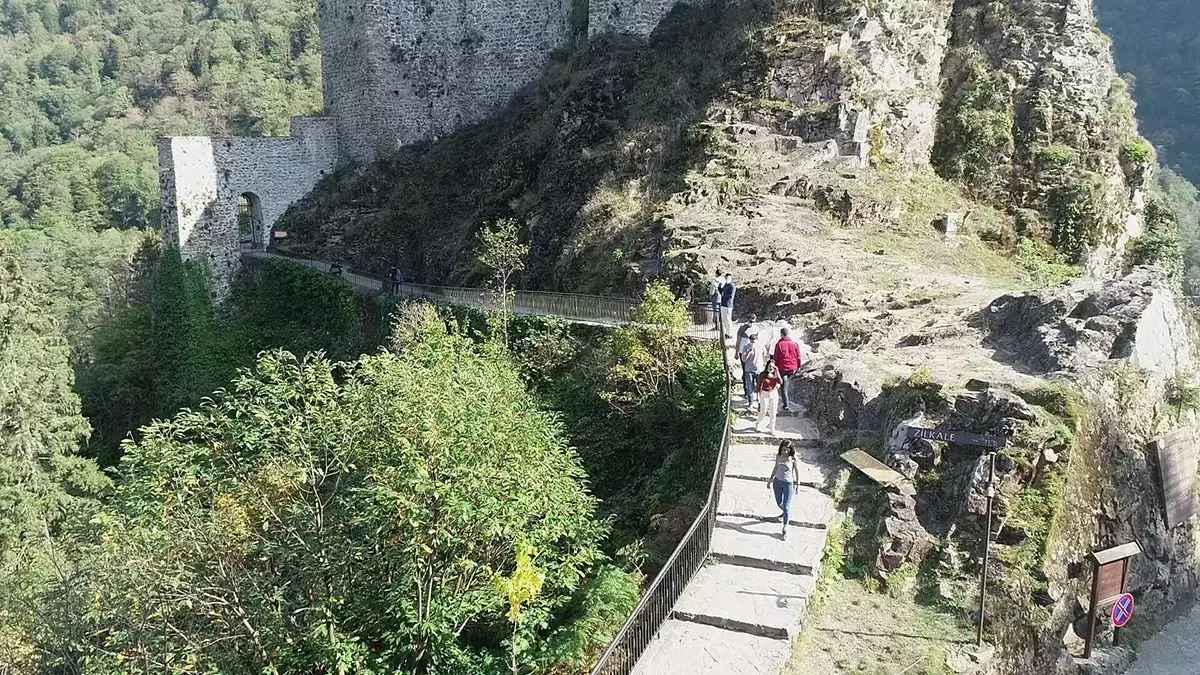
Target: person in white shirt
x: 754, y: 360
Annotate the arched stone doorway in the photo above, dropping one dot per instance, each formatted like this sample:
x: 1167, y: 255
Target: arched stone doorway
x: 251, y: 233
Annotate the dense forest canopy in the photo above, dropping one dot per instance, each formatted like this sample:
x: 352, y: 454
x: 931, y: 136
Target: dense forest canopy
x: 85, y: 88
x: 1157, y: 45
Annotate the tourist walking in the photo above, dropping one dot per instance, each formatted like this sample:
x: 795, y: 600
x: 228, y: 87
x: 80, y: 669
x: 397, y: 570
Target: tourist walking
x: 335, y: 269
x: 396, y: 277
x: 744, y: 330
x: 754, y: 359
x: 768, y: 397
x: 728, y: 291
x: 714, y: 295
x: 785, y: 477
x: 787, y: 357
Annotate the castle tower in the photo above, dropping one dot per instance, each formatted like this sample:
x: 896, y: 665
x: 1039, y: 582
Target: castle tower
x: 403, y: 71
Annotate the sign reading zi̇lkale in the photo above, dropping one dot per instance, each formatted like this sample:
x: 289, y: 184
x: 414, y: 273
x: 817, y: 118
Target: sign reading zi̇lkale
x: 958, y: 437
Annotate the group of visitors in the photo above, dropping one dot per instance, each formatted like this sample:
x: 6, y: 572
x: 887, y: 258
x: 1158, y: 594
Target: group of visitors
x: 766, y: 371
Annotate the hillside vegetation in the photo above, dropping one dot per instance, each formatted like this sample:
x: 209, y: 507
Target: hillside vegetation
x: 1156, y: 48
x: 86, y: 86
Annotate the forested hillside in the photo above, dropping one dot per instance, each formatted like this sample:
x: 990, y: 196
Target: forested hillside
x: 1157, y: 42
x: 87, y: 85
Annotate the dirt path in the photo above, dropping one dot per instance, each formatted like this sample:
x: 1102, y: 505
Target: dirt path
x: 1173, y: 651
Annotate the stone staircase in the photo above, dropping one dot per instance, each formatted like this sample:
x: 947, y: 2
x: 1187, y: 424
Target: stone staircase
x: 742, y: 611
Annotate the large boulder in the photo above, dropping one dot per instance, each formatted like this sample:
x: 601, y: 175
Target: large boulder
x: 1072, y: 330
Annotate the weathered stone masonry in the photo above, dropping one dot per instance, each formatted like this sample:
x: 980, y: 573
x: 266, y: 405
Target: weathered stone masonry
x: 395, y: 72
x: 202, y: 179
x: 401, y: 71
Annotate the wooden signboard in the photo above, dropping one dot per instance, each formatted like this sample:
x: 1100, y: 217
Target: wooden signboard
x: 874, y: 469
x: 1177, y: 469
x: 957, y: 437
x: 1110, y: 583
x: 1110, y: 570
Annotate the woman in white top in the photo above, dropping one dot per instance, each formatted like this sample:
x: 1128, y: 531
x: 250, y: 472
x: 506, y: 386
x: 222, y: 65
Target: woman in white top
x: 785, y: 476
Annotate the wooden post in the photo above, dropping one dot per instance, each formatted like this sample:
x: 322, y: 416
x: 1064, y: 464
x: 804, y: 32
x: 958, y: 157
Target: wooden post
x: 1124, y: 585
x: 987, y: 547
x: 1091, y: 630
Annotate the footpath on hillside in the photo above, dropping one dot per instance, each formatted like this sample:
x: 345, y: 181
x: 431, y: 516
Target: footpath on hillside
x: 743, y: 611
x: 1174, y: 650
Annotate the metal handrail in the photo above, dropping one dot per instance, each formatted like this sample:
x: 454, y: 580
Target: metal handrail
x: 598, y: 309
x: 687, y: 559
x: 692, y: 551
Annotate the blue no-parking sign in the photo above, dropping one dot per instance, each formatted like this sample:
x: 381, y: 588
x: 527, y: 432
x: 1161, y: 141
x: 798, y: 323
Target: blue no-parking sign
x: 1122, y: 611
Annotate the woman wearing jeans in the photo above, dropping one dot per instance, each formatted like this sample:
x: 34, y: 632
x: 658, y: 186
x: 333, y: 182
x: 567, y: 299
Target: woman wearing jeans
x: 784, y: 478
x: 768, y: 397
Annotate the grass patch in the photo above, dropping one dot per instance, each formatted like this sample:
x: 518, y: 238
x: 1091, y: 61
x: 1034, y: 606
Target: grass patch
x: 1044, y: 265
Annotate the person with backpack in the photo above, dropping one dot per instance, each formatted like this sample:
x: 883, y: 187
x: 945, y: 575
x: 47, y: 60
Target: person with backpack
x: 754, y: 359
x: 745, y: 329
x: 785, y: 478
x: 787, y: 357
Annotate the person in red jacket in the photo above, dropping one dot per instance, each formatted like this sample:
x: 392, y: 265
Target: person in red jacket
x: 787, y: 357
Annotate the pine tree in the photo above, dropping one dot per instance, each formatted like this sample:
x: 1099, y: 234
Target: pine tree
x: 45, y: 487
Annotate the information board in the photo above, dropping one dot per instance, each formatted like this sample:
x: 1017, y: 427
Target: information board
x: 1110, y: 582
x: 1177, y: 469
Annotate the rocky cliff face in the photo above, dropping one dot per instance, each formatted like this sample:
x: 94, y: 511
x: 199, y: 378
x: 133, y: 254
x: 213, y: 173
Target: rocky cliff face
x: 1083, y: 379
x: 815, y: 148
x: 1035, y: 118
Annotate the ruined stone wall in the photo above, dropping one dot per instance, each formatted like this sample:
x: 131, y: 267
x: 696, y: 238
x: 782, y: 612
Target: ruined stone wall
x: 202, y: 179
x: 632, y: 17
x: 402, y: 71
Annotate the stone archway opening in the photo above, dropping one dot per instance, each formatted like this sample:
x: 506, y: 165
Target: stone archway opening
x: 250, y: 222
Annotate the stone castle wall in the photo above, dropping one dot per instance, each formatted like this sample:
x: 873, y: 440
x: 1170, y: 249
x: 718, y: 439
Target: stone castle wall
x: 202, y: 179
x: 395, y: 72
x: 632, y: 17
x: 402, y: 71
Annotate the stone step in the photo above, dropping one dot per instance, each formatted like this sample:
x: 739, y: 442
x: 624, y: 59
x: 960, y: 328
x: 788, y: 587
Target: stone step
x: 689, y: 648
x: 754, y: 499
x: 795, y: 428
x: 752, y: 461
x: 750, y: 542
x: 747, y: 600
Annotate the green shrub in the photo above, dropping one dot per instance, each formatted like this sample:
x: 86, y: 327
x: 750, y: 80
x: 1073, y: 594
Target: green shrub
x: 1057, y: 399
x: 1161, y: 248
x: 1054, y: 155
x: 1045, y: 266
x: 921, y: 377
x: 1137, y: 151
x: 1072, y: 211
x: 1162, y: 244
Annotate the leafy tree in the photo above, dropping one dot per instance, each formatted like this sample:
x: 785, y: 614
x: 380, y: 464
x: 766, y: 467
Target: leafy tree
x: 351, y: 518
x: 647, y: 354
x: 166, y: 346
x: 501, y: 251
x: 46, y: 489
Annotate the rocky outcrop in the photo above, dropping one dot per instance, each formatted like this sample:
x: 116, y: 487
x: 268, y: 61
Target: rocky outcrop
x: 1074, y: 331
x: 1035, y: 118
